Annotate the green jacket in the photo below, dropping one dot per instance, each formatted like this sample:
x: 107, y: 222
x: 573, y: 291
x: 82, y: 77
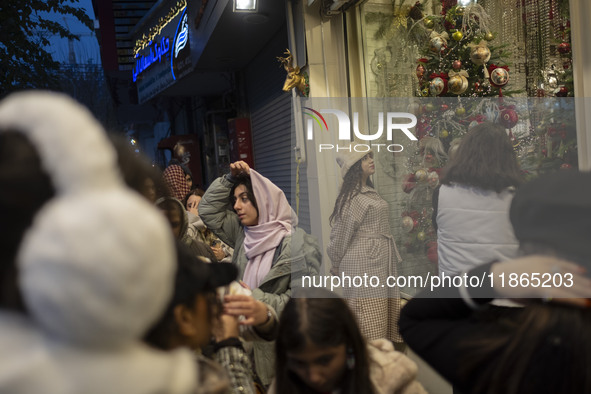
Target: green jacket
x: 298, y: 254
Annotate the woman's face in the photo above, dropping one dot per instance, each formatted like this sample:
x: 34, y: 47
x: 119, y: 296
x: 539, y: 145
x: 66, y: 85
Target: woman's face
x: 196, y: 323
x: 175, y: 219
x: 321, y: 368
x: 149, y: 190
x: 189, y: 181
x: 192, y: 204
x: 246, y: 212
x: 367, y: 165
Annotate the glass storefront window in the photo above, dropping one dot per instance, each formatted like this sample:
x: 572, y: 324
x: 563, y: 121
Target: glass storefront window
x: 396, y: 34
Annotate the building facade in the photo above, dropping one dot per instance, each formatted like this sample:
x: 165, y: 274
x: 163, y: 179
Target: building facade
x: 197, y: 71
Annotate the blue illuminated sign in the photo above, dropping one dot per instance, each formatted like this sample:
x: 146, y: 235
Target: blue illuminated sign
x: 155, y: 54
x: 181, y: 39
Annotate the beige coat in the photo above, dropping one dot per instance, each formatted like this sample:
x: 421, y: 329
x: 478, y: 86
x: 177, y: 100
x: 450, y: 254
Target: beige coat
x: 361, y: 245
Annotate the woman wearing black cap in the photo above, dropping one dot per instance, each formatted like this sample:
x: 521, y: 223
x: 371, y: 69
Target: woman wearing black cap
x: 194, y: 315
x: 544, y: 347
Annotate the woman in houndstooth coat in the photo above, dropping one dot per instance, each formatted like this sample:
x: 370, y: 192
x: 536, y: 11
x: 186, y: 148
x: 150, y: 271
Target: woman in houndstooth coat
x: 362, y: 246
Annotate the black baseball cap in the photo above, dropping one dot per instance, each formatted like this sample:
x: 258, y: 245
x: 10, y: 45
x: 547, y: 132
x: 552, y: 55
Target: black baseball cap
x: 555, y: 210
x: 195, y: 274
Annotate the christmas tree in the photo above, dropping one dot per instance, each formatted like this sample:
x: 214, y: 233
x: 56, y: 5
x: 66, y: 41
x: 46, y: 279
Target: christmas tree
x: 458, y: 59
x: 461, y: 58
x: 463, y: 78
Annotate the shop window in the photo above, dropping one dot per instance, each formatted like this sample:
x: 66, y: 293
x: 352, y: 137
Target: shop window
x: 399, y: 40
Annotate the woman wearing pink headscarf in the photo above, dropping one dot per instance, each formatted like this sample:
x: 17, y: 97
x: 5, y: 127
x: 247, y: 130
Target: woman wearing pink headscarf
x: 252, y: 215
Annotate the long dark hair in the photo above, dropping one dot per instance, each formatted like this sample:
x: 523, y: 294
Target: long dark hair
x: 136, y: 168
x: 323, y: 320
x: 485, y: 159
x: 244, y: 180
x: 352, y: 184
x: 547, y: 349
x: 24, y: 188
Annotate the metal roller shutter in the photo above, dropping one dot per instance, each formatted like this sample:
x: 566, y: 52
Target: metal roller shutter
x: 271, y: 121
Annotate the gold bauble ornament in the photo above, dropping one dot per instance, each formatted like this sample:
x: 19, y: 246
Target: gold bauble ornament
x: 421, y: 175
x: 457, y: 84
x: 457, y: 36
x: 408, y: 224
x: 429, y: 107
x: 425, y: 92
x: 421, y: 236
x: 489, y: 36
x: 433, y: 179
x: 429, y: 23
x: 443, y: 133
x: 480, y: 55
x: 437, y: 44
x: 460, y: 111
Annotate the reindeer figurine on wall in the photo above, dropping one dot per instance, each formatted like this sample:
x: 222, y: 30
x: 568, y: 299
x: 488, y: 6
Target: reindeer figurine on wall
x: 294, y: 78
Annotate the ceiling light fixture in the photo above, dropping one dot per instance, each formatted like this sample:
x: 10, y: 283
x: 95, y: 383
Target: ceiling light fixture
x: 246, y: 5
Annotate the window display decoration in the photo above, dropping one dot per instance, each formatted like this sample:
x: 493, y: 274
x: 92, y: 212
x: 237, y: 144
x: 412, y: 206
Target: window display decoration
x: 295, y: 77
x: 468, y: 52
x: 511, y: 58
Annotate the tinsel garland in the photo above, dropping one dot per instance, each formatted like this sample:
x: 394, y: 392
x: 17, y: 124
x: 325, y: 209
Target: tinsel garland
x: 474, y: 14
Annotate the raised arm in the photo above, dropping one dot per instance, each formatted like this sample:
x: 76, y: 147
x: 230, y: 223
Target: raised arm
x: 216, y: 212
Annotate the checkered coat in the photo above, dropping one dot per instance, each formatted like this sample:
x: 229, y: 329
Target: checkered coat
x: 175, y: 180
x: 361, y: 244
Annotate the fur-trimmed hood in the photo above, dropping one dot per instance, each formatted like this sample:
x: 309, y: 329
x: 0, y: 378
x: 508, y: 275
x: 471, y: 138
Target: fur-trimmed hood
x: 391, y: 371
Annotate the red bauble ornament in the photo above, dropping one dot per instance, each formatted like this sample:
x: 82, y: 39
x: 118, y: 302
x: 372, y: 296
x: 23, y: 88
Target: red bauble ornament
x: 508, y: 118
x: 564, y: 47
x: 561, y: 92
x: 444, y: 107
x: 432, y: 252
x: 420, y: 71
x: 409, y: 183
x: 448, y: 25
x: 457, y: 64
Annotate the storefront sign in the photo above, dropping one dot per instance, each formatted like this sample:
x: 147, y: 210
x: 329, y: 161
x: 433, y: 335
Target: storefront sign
x: 156, y: 30
x: 180, y: 61
x: 167, y: 57
x: 154, y: 55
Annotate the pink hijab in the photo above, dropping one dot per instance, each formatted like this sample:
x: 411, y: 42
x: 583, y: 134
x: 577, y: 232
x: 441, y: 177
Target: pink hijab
x: 276, y: 219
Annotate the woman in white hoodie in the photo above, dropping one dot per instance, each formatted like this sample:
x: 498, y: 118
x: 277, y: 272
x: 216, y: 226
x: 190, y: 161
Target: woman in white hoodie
x: 95, y: 265
x: 472, y: 204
